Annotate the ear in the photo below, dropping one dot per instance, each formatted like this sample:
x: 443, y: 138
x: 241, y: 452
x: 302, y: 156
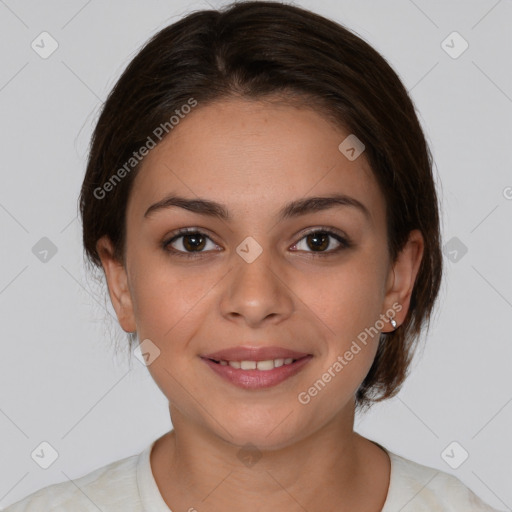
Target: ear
x: 117, y: 282
x: 401, y: 278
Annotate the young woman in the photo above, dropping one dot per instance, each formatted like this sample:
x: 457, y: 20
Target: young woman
x: 259, y: 195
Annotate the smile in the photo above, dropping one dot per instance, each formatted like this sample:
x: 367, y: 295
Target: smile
x: 269, y: 364
x: 249, y: 374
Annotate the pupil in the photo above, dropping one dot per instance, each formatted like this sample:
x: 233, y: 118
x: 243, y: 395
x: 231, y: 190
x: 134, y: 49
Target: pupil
x: 316, y: 237
x: 195, y: 244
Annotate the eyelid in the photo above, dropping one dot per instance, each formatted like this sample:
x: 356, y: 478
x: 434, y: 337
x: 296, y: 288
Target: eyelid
x: 179, y: 233
x: 326, y: 229
x: 340, y: 236
x: 184, y: 231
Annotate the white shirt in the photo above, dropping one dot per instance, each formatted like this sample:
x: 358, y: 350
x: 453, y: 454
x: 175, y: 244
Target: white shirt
x: 128, y: 485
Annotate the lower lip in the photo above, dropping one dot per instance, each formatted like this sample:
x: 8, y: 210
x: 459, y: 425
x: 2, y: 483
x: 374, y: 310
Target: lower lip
x: 257, y: 379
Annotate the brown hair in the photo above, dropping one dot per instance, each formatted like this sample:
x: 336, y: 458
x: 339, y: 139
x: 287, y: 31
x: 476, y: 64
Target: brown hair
x: 258, y: 50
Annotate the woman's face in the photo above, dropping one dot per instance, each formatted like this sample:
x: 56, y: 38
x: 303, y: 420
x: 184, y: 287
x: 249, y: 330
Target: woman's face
x: 259, y: 278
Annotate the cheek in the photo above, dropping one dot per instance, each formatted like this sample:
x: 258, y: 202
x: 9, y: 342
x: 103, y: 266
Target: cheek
x: 348, y: 304
x: 348, y: 298
x: 168, y: 300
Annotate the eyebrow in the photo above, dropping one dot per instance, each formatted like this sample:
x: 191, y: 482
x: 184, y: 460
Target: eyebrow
x: 290, y: 210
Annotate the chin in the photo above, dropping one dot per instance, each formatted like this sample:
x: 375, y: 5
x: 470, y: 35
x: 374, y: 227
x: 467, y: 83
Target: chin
x: 264, y: 432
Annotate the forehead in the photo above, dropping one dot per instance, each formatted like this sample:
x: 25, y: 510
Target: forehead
x: 253, y: 156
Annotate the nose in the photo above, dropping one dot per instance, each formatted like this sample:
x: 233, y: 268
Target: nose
x: 256, y: 292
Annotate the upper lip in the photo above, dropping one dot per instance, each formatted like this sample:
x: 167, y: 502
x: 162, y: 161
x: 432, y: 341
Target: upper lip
x: 254, y: 354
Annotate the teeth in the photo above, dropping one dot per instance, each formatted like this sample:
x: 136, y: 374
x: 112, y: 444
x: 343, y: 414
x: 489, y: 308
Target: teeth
x: 265, y: 365
x: 269, y: 364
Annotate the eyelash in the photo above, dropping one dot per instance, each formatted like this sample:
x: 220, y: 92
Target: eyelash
x: 344, y: 241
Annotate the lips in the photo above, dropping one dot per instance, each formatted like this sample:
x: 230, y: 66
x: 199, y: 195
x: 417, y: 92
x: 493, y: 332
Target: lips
x: 254, y: 354
x: 256, y: 367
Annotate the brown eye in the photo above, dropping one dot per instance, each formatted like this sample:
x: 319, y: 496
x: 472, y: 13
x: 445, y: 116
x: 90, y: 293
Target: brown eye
x: 194, y: 241
x: 320, y: 240
x: 188, y: 243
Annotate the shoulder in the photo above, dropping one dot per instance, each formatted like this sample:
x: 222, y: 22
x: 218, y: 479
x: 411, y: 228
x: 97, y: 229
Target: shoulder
x: 418, y: 488
x: 111, y: 487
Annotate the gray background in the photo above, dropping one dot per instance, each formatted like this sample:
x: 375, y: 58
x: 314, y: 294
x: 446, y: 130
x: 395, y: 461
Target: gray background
x: 60, y: 378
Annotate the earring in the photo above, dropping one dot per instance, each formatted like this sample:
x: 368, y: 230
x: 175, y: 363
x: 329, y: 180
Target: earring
x: 393, y: 323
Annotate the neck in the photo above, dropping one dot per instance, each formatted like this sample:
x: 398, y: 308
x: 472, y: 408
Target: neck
x: 327, y: 470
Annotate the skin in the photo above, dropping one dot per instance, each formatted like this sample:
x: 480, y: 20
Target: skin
x: 254, y: 157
